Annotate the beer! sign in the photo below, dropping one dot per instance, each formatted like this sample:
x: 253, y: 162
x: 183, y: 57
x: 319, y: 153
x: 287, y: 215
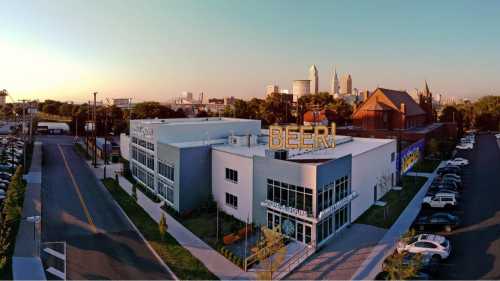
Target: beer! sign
x: 301, y: 137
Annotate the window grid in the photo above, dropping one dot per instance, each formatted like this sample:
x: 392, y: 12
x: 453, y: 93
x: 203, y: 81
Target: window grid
x: 231, y: 200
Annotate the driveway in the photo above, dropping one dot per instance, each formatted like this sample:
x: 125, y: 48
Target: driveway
x: 102, y: 244
x: 342, y: 256
x: 476, y: 244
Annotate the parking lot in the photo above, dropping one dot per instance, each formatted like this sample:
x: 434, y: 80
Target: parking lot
x: 476, y: 242
x: 461, y: 209
x: 11, y: 153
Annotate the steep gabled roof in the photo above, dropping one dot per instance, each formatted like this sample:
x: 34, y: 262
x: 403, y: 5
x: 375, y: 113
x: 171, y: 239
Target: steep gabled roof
x: 399, y: 97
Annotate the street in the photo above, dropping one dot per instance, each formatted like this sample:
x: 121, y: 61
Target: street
x: 102, y: 244
x: 476, y: 243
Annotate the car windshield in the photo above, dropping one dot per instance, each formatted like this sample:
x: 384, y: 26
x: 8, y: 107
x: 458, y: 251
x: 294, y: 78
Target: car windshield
x: 445, y: 243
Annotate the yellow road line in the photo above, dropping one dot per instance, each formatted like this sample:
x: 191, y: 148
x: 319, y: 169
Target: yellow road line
x: 77, y: 188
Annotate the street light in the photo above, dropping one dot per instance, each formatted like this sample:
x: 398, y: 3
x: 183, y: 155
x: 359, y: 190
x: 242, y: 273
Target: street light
x: 35, y: 220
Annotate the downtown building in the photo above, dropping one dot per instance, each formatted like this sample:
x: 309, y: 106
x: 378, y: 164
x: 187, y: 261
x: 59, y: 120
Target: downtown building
x: 310, y: 194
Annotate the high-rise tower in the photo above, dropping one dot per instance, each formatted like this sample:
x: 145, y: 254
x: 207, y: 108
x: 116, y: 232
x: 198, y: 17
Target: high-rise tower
x: 335, y: 84
x: 313, y: 76
x: 346, y: 85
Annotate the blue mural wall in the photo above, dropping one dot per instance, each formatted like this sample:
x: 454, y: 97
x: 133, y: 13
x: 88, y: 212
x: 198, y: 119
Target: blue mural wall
x: 410, y: 156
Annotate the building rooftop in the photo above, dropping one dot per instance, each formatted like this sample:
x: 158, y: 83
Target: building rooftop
x: 191, y: 121
x: 345, y: 145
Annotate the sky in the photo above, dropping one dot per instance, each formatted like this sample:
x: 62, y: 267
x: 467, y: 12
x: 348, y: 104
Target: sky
x: 155, y: 49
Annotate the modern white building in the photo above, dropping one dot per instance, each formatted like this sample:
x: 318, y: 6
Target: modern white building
x: 336, y: 185
x: 311, y: 194
x: 171, y: 157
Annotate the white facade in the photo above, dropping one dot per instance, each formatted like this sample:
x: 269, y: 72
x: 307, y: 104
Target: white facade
x: 372, y: 168
x: 242, y: 188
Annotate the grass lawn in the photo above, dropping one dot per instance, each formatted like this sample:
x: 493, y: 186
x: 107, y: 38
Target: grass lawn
x: 425, y: 166
x: 396, y: 203
x: 180, y: 260
x: 204, y: 225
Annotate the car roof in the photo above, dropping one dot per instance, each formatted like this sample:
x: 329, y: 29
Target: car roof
x: 431, y: 238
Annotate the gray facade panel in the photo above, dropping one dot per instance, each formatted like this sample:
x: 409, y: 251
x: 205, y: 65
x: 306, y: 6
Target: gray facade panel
x: 170, y: 154
x: 195, y: 177
x: 328, y: 172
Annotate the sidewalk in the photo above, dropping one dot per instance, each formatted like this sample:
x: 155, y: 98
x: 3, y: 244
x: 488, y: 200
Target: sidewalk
x: 373, y: 264
x: 214, y: 261
x: 26, y: 262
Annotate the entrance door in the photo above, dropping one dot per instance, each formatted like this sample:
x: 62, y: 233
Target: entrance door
x: 300, y: 232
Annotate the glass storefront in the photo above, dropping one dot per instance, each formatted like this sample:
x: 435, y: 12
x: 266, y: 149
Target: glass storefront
x: 290, y: 195
x: 291, y: 226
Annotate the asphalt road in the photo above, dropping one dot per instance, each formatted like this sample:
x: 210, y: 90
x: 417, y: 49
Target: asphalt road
x: 476, y: 243
x: 102, y: 244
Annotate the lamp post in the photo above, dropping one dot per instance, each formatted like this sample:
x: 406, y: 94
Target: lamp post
x: 94, y: 127
x: 35, y: 220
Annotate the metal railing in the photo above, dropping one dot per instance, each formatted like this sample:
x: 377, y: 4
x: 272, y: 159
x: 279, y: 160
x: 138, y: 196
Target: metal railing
x: 295, y: 261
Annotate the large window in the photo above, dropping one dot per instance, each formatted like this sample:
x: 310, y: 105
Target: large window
x: 328, y: 226
x: 147, y: 178
x: 290, y: 195
x: 166, y: 190
x: 231, y: 175
x: 166, y: 170
x: 339, y: 189
x: 143, y: 157
x: 231, y: 200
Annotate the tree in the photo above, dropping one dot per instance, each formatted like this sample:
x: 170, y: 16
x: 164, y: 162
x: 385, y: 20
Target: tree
x: 146, y: 110
x: 163, y: 227
x: 50, y: 108
x: 271, y: 252
x: 66, y: 109
x: 433, y: 147
x: 399, y: 269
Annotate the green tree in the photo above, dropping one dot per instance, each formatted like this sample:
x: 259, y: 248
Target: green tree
x: 399, y: 269
x: 271, y: 252
x: 146, y: 110
x: 163, y: 227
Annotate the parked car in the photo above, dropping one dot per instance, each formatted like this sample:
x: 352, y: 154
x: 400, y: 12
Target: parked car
x: 426, y: 263
x: 435, y: 245
x: 458, y: 162
x: 436, y: 190
x: 437, y: 221
x: 465, y: 146
x: 439, y: 200
x: 449, y: 170
x: 497, y: 136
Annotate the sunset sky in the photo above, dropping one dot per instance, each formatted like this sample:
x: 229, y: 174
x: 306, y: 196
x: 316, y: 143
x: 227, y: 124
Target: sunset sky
x: 154, y: 50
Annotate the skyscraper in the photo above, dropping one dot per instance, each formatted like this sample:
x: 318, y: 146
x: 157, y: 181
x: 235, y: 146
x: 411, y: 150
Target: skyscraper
x: 301, y: 88
x: 335, y: 84
x: 346, y: 85
x: 272, y: 89
x: 313, y: 77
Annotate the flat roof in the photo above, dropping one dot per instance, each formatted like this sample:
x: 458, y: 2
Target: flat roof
x: 191, y: 121
x: 345, y: 145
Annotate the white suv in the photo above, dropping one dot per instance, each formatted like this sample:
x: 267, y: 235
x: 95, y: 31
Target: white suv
x: 440, y: 200
x: 435, y: 245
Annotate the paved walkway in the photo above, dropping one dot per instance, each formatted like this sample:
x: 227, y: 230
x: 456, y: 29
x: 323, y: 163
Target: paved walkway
x: 342, y: 256
x: 373, y: 264
x: 214, y: 261
x: 26, y: 262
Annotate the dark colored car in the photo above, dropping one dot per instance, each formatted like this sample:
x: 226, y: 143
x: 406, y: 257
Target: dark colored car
x: 449, y: 170
x: 437, y: 221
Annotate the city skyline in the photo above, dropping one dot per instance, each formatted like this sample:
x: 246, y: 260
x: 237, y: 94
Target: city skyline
x: 158, y: 49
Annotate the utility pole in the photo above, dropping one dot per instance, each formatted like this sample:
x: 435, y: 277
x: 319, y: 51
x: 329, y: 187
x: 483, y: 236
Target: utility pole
x: 105, y: 138
x: 86, y: 131
x: 94, y: 131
